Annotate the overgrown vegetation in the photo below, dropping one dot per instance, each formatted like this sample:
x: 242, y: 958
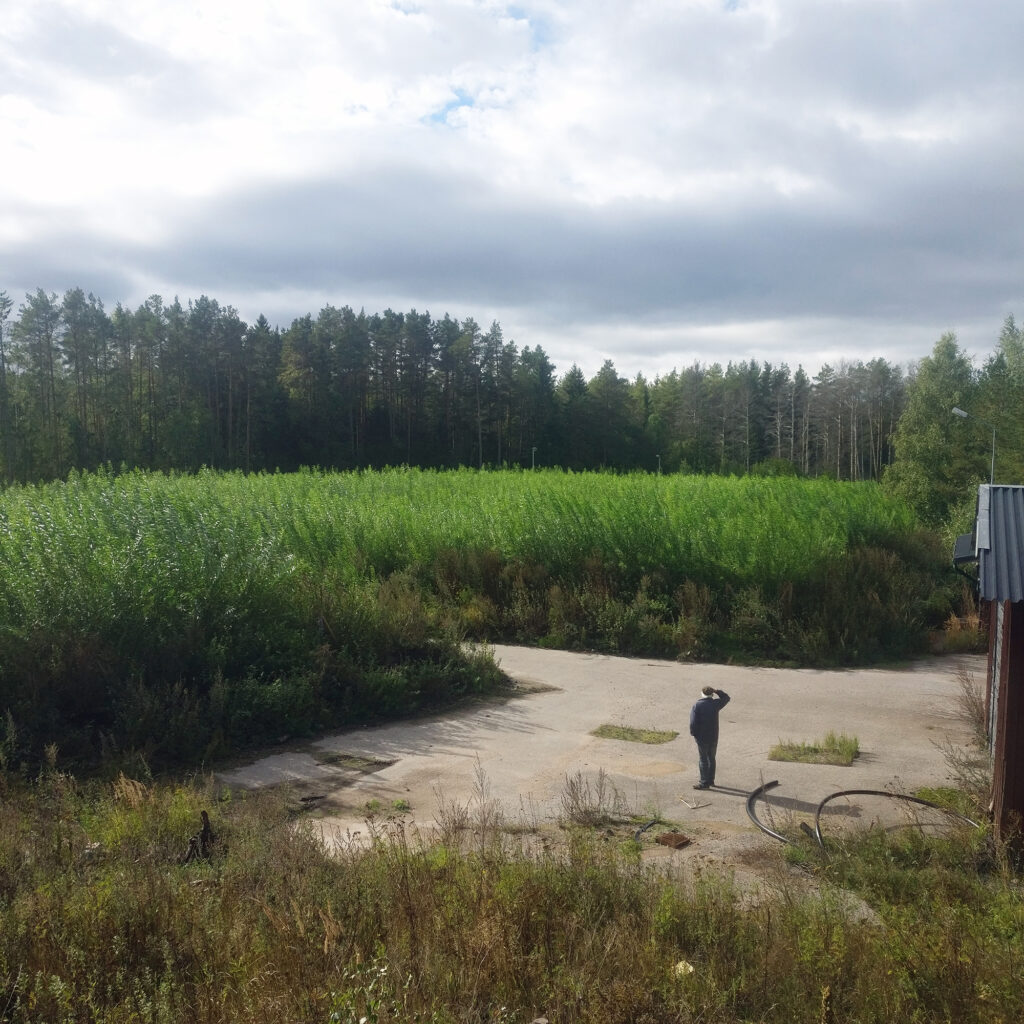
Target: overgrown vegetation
x: 181, y: 617
x: 100, y: 921
x: 838, y: 750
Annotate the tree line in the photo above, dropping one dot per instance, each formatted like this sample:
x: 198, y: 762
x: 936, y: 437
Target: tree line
x: 179, y: 386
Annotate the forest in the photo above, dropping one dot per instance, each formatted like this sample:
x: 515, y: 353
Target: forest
x: 181, y: 387
x: 173, y: 386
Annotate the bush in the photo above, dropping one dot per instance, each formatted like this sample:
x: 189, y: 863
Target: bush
x: 179, y: 616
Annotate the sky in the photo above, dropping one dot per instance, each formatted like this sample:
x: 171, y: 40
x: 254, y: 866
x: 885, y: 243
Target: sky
x: 656, y: 183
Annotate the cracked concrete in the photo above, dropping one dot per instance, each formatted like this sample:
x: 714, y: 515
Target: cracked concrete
x: 522, y: 749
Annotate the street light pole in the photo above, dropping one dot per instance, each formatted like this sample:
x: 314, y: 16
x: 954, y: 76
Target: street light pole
x: 957, y: 411
x: 533, y: 457
x: 659, y: 464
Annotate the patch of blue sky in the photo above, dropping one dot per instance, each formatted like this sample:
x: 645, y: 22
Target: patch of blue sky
x: 541, y: 31
x: 461, y: 99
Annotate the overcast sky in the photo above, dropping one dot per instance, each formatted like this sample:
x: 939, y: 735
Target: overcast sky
x: 798, y: 181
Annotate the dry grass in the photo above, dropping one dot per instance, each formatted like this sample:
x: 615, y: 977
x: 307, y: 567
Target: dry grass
x: 972, y: 705
x: 964, y: 633
x: 591, y: 802
x: 970, y: 767
x: 633, y: 735
x: 100, y: 922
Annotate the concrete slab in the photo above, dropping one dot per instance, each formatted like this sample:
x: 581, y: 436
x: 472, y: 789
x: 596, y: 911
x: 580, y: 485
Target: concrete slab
x: 523, y: 750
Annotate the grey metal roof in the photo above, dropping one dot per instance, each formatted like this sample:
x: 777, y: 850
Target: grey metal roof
x: 999, y: 540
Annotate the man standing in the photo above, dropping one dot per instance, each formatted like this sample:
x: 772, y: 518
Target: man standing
x: 704, y: 729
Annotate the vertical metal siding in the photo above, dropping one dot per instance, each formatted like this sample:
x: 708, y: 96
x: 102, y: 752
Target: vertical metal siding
x: 1000, y: 538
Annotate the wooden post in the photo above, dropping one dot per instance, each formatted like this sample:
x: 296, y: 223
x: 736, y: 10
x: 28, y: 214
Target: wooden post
x: 1008, y: 766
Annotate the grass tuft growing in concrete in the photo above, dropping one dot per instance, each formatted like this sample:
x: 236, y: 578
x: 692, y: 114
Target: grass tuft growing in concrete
x: 632, y: 735
x: 838, y: 750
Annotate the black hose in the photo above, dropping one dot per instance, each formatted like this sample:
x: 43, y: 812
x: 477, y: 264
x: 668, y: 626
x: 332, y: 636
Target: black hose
x: 760, y: 791
x: 892, y: 796
x: 644, y: 828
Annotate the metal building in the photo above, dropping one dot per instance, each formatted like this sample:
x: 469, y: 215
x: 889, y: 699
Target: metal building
x: 997, y: 545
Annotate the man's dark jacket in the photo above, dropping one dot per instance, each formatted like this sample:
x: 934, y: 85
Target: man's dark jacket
x: 704, y: 717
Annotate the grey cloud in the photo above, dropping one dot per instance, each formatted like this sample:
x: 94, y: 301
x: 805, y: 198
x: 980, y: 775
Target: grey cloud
x: 64, y: 45
x: 908, y: 60
x: 920, y: 240
x: 923, y: 244
x: 56, y: 261
x: 895, y: 237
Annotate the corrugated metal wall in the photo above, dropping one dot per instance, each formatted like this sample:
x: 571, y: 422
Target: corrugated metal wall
x: 1000, y: 541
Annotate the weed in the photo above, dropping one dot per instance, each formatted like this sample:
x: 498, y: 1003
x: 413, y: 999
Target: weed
x: 836, y: 750
x: 277, y: 927
x: 589, y: 802
x: 970, y: 767
x: 488, y: 817
x: 972, y: 705
x: 633, y: 735
x: 451, y: 819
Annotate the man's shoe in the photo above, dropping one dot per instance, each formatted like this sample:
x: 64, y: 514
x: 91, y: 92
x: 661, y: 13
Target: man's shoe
x: 700, y: 785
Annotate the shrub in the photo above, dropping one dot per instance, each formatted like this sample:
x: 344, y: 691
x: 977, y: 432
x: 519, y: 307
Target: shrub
x: 178, y: 616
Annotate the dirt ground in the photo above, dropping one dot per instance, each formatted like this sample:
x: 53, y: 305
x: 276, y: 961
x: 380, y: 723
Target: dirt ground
x: 522, y: 754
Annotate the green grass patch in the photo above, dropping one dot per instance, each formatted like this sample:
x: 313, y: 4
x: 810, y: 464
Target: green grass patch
x: 632, y: 735
x: 838, y: 750
x: 950, y: 798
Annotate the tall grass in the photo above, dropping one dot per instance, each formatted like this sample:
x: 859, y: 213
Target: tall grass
x: 187, y: 615
x: 99, y: 921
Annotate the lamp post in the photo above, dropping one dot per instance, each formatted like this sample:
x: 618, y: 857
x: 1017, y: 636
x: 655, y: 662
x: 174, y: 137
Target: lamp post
x: 533, y: 457
x: 957, y: 411
x: 658, y: 457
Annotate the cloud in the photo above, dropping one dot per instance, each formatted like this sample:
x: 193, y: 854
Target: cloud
x: 630, y: 180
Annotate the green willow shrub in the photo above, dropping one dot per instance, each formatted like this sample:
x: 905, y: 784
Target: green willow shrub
x: 216, y: 603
